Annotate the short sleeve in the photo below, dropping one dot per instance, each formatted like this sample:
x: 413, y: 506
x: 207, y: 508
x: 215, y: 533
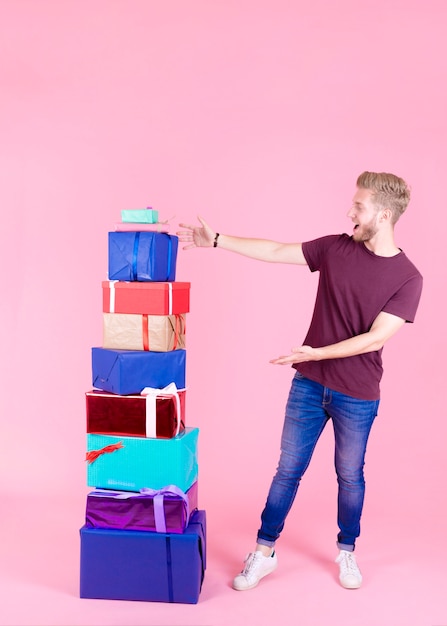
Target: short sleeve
x: 314, y: 251
x: 405, y: 301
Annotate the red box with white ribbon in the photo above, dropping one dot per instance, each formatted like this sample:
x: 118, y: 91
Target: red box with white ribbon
x: 155, y: 413
x: 150, y: 298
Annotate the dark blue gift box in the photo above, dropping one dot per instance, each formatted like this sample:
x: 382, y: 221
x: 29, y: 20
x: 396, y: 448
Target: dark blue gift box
x: 138, y: 565
x: 126, y: 372
x: 142, y: 256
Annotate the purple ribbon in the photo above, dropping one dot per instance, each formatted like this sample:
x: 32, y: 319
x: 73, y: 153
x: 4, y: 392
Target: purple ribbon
x: 159, y: 511
x: 158, y: 496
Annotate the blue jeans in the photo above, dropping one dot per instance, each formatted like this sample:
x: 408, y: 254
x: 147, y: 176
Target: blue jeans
x: 309, y: 408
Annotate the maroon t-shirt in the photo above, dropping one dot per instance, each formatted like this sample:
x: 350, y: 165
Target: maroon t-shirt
x: 355, y: 286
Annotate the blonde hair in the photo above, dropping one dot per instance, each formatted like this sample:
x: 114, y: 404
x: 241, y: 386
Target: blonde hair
x: 389, y: 191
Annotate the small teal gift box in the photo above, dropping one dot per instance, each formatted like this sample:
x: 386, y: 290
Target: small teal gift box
x: 140, y: 216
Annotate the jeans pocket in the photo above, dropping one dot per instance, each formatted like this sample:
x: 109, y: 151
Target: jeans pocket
x: 298, y: 375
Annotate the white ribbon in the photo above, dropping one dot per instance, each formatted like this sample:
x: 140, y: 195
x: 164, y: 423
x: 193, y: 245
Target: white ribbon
x: 112, y: 295
x: 151, y: 407
x: 116, y: 495
x: 170, y: 298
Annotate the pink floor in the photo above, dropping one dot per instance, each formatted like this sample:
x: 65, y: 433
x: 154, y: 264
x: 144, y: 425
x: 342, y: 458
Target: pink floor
x: 404, y: 585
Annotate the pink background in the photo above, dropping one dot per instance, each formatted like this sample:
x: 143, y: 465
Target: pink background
x: 258, y: 115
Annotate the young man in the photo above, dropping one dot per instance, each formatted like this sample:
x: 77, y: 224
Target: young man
x: 367, y: 290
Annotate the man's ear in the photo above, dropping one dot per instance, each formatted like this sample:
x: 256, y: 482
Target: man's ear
x: 387, y: 215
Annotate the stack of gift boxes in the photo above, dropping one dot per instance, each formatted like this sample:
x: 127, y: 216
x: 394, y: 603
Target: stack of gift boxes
x: 144, y: 537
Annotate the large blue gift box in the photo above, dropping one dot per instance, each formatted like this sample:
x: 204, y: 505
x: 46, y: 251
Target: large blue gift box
x: 138, y: 565
x: 132, y: 463
x: 142, y: 256
x: 127, y: 372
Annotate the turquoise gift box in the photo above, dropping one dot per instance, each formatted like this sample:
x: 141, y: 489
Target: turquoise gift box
x: 140, y: 216
x: 132, y: 463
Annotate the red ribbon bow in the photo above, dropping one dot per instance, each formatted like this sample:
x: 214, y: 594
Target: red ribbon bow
x: 92, y: 455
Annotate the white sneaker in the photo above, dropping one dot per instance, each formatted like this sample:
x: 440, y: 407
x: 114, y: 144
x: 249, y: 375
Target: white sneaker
x: 256, y: 567
x: 350, y: 575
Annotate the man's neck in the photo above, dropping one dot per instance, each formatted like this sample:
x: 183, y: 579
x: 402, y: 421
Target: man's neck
x: 383, y: 245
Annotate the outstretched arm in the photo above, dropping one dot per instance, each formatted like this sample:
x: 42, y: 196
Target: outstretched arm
x: 384, y: 326
x: 261, y: 249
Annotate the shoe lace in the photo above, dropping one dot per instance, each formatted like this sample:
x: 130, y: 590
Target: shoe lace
x: 349, y: 564
x: 250, y: 562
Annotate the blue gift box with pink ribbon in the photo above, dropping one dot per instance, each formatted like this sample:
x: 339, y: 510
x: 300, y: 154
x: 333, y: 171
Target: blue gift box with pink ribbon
x: 136, y: 565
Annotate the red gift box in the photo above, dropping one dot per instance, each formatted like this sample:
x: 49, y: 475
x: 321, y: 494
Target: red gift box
x: 150, y: 298
x: 152, y: 415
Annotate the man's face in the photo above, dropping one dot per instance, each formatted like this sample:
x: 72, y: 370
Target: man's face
x: 364, y: 214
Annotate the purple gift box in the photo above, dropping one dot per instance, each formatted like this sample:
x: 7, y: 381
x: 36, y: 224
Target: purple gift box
x: 151, y: 567
x: 166, y: 510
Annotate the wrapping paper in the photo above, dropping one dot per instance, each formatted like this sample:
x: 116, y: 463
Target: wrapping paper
x: 134, y: 463
x: 142, y: 256
x: 127, y: 372
x: 140, y: 216
x: 157, y: 333
x: 165, y: 510
x: 112, y: 414
x: 152, y: 567
x: 157, y: 298
x: 158, y: 227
